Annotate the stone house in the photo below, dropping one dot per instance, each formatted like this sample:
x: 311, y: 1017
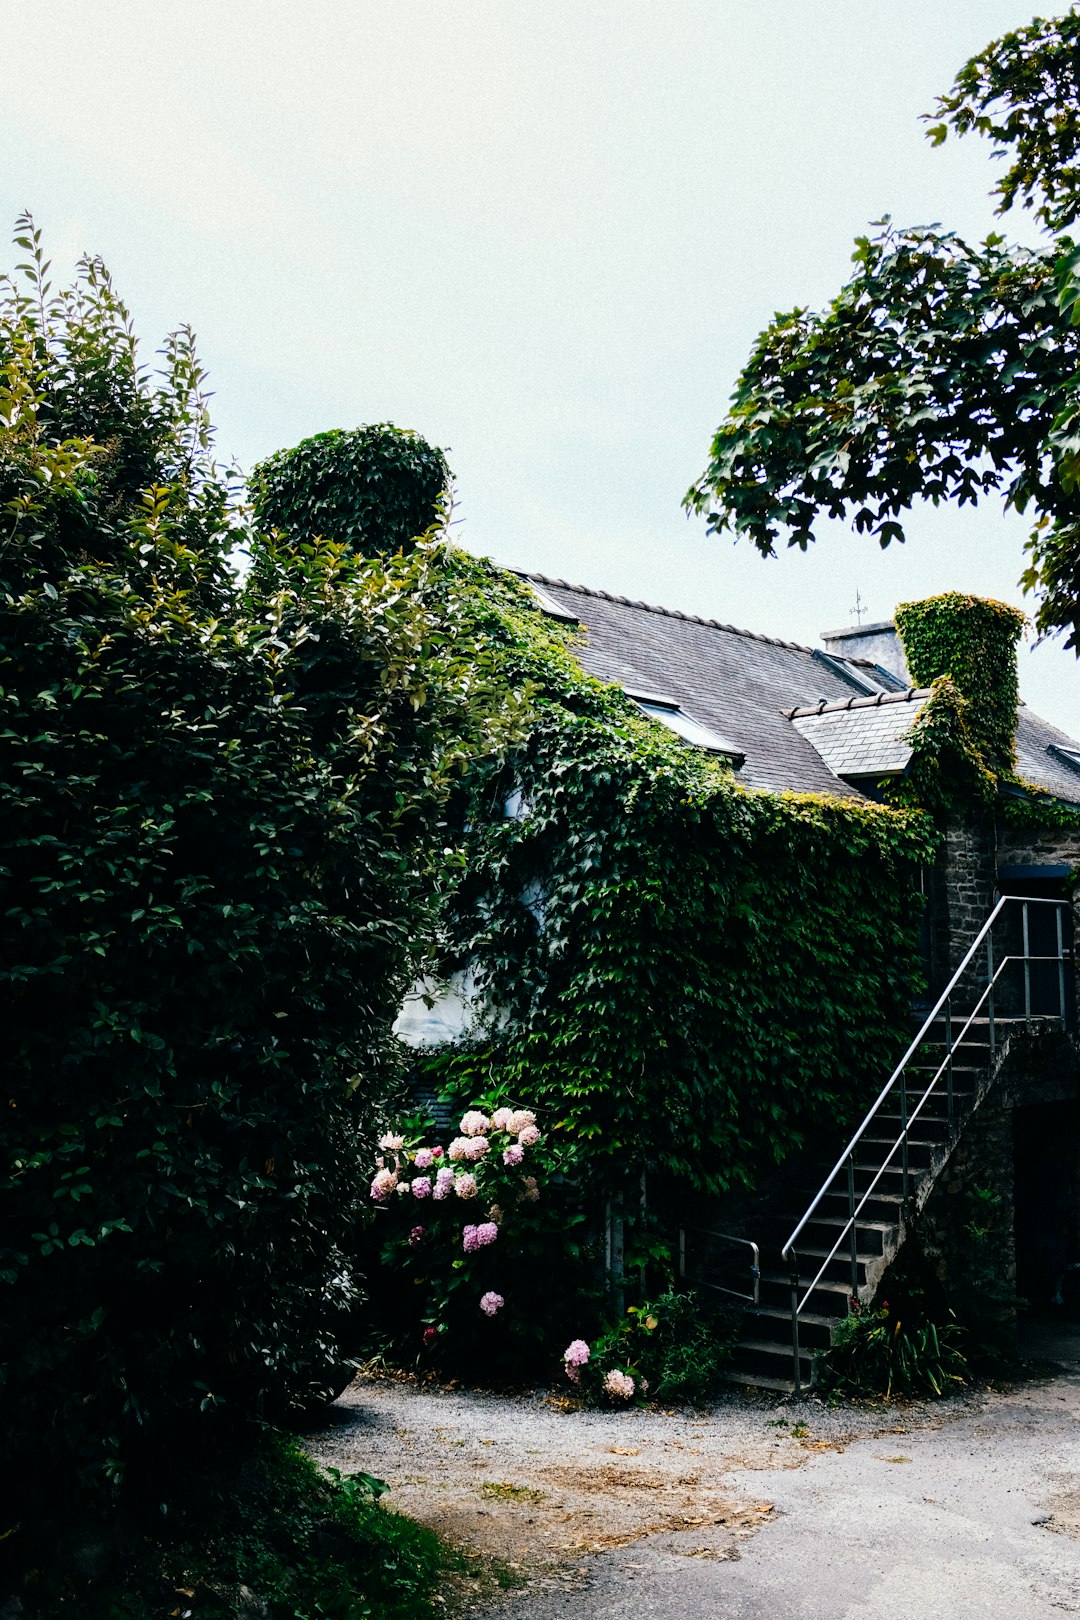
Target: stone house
x: 976, y: 1145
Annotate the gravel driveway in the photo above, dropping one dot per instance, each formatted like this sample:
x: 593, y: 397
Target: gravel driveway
x: 969, y: 1508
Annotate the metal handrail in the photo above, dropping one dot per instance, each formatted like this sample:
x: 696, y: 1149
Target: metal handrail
x: 725, y: 1237
x: 847, y: 1158
x: 905, y: 1131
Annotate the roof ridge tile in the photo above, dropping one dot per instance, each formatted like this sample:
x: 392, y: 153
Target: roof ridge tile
x: 663, y: 612
x: 909, y: 695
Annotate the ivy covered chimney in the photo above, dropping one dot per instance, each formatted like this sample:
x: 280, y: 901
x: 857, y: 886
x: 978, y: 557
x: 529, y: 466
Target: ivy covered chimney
x: 970, y: 641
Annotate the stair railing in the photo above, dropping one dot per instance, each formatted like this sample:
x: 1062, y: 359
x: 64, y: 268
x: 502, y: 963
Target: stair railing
x: 753, y: 1270
x: 845, y: 1166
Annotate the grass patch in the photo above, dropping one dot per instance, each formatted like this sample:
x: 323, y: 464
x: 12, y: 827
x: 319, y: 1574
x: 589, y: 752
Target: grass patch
x: 277, y: 1538
x: 501, y: 1491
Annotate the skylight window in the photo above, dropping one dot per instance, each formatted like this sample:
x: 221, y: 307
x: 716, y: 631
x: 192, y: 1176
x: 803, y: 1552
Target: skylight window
x: 674, y: 716
x: 548, y: 605
x: 1071, y: 756
x: 870, y: 679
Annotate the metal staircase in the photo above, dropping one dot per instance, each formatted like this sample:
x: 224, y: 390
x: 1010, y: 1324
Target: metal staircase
x: 855, y: 1222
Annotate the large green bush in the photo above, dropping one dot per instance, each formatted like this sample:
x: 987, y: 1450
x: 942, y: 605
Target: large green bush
x: 375, y: 488
x: 219, y: 807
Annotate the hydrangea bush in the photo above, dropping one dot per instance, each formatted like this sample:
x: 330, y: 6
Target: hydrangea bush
x: 672, y: 1349
x: 470, y: 1224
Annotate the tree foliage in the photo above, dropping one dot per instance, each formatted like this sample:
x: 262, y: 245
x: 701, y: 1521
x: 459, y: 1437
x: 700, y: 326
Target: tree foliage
x: 219, y: 843
x: 1022, y: 93
x: 374, y: 488
x: 942, y: 371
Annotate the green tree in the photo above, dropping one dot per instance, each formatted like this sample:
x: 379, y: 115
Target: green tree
x: 942, y: 371
x: 376, y: 488
x: 219, y: 847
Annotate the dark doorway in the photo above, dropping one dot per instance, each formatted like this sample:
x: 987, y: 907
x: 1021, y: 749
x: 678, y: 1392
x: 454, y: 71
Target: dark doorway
x: 1046, y: 1161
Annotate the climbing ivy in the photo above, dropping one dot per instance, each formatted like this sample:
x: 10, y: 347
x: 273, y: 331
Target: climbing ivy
x: 947, y: 771
x: 963, y: 740
x: 971, y: 641
x: 680, y: 971
x: 1033, y: 807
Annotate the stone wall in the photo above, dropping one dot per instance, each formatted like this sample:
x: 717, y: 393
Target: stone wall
x: 963, y: 887
x: 962, y: 893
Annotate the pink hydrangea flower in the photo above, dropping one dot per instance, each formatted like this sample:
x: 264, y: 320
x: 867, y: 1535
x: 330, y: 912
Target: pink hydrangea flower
x: 416, y: 1235
x: 513, y: 1154
x: 391, y: 1143
x: 474, y: 1123
x: 424, y: 1158
x: 491, y: 1303
x: 619, y: 1385
x: 478, y: 1146
x: 576, y: 1353
x: 459, y: 1147
x: 495, y: 1214
x: 529, y: 1136
x: 478, y: 1237
x: 444, y: 1182
x: 421, y: 1187
x: 530, y: 1192
x: 501, y: 1118
x: 383, y: 1185
x: 465, y: 1186
x: 436, y: 1153
x: 520, y: 1120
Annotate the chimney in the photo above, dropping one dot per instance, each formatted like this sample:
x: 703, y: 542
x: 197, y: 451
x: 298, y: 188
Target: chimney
x: 877, y: 642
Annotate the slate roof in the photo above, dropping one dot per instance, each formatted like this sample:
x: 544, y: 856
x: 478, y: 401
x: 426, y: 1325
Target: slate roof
x: 804, y: 720
x: 1034, y: 739
x: 864, y: 736
x: 734, y: 681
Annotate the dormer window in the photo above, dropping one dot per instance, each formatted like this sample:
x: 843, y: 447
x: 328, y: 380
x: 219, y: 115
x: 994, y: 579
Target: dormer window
x: 674, y: 716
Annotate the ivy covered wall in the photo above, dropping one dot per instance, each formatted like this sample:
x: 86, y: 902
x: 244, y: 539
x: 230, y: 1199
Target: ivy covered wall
x: 681, y: 971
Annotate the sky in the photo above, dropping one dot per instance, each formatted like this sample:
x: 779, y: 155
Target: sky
x: 544, y: 235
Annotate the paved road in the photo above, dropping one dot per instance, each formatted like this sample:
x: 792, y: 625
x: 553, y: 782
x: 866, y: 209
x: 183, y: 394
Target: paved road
x: 976, y: 1520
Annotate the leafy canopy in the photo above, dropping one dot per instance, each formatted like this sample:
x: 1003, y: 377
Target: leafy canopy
x: 942, y: 371
x: 374, y: 488
x: 220, y: 845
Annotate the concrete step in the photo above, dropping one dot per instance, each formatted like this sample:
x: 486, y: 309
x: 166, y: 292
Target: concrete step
x: 755, y: 1359
x: 829, y: 1298
x: 774, y: 1324
x: 882, y: 1205
x: 873, y: 1149
x: 825, y: 1228
x: 838, y: 1269
x: 779, y: 1386
x: 763, y: 1355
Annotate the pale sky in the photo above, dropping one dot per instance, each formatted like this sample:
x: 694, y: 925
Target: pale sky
x: 544, y: 235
